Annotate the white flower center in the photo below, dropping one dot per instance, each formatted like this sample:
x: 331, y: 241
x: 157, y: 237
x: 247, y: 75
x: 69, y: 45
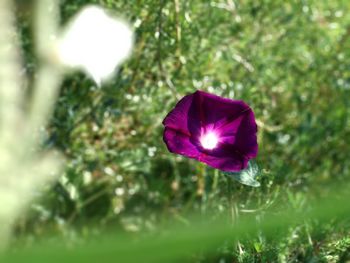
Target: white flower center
x: 209, y: 140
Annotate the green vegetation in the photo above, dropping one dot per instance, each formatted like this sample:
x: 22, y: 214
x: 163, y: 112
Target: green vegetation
x: 289, y: 60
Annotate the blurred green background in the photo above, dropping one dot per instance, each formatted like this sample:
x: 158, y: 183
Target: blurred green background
x: 289, y: 60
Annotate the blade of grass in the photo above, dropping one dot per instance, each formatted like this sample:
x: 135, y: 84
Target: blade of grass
x: 178, y: 242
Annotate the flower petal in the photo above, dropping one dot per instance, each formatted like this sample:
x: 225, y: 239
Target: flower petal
x: 178, y: 142
x: 213, y: 109
x: 228, y: 162
x: 246, y: 140
x: 95, y: 42
x: 178, y: 117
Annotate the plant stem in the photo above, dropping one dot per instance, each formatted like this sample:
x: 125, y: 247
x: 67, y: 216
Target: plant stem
x: 11, y: 94
x: 215, y: 180
x: 232, y: 205
x: 22, y: 168
x: 49, y: 77
x: 11, y: 115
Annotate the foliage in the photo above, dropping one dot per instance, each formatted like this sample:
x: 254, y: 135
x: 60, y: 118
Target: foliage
x: 289, y: 60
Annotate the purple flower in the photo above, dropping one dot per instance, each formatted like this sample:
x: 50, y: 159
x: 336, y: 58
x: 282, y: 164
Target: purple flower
x: 217, y: 131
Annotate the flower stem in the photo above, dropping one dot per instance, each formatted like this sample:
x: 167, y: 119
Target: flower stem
x: 232, y: 206
x: 215, y: 180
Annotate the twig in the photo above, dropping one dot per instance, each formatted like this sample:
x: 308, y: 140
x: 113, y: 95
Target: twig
x: 267, y: 127
x: 163, y: 74
x: 178, y: 27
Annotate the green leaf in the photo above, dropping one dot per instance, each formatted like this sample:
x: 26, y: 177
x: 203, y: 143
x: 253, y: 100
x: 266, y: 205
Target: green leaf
x: 247, y: 176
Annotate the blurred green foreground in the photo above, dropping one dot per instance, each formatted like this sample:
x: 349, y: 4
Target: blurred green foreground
x: 289, y: 60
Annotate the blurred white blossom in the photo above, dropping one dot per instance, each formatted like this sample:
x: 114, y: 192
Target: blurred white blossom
x: 95, y: 42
